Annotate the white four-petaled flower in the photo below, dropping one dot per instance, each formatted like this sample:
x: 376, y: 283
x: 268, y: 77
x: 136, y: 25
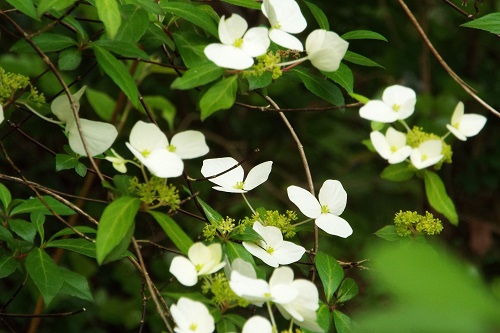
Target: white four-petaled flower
x: 239, y: 46
x: 463, y: 125
x: 273, y: 250
x: 286, y: 19
x: 191, y: 317
x: 397, y: 103
x: 257, y: 324
x: 332, y: 202
x: 232, y: 181
x: 428, y: 153
x: 325, y: 49
x: 391, y: 146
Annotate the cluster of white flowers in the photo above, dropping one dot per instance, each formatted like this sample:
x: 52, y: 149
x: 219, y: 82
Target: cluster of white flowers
x: 240, y: 45
x: 397, y: 104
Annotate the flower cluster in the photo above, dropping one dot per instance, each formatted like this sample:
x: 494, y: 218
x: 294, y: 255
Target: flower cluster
x: 411, y: 223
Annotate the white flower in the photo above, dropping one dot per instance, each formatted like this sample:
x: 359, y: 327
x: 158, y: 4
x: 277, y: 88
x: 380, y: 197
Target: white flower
x: 238, y: 48
x: 285, y: 18
x: 428, y: 153
x: 203, y: 260
x: 232, y: 181
x: 1, y: 114
x: 273, y: 250
x: 325, y: 49
x: 191, y: 317
x: 326, y: 211
x: 243, y: 267
x: 119, y: 163
x: 392, y: 146
x: 397, y: 103
x: 151, y: 147
x: 257, y: 324
x: 463, y: 125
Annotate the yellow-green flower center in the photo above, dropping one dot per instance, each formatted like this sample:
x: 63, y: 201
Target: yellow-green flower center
x: 325, y: 209
x: 238, y: 42
x: 394, y: 149
x: 171, y: 148
x: 455, y: 124
x: 424, y: 157
x: 276, y: 26
x: 270, y: 250
x: 193, y: 327
x: 145, y: 152
x: 396, y: 107
x: 199, y: 267
x: 239, y: 185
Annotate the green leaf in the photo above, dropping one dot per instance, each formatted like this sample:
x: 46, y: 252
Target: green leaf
x: 35, y: 205
x: 323, y: 319
x: 248, y: 235
x: 192, y: 14
x: 120, y: 251
x: 238, y: 320
x: 236, y: 250
x: 47, y: 42
x: 343, y: 77
x: 25, y: 6
x: 358, y: 59
x: 342, y: 322
x: 220, y: 96
x: 118, y: 73
x: 114, y: 224
x: 388, y: 233
x: 197, y: 76
x: 180, y: 239
x: 438, y: 198
x: 102, y: 104
x: 330, y: 272
x: 397, y: 172
x: 347, y: 291
x: 320, y: 86
x: 5, y: 197
x: 150, y: 6
x: 191, y: 47
x: 363, y: 34
x: 6, y: 236
x: 121, y: 48
x: 135, y: 22
x: 77, y: 245
x: 8, y: 266
x: 319, y: 15
x: 45, y: 274
x: 38, y: 219
x: 75, y: 285
x: 69, y: 59
x: 225, y: 326
x: 359, y: 98
x: 212, y: 215
x: 46, y: 5
x: 489, y: 22
x: 109, y: 13
x: 164, y: 106
x: 252, y: 4
x: 81, y: 169
x: 68, y: 231
x: 65, y: 162
x: 257, y: 82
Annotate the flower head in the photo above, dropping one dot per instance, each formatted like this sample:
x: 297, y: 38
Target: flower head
x: 397, y: 103
x: 332, y: 202
x: 463, y: 125
x: 391, y: 146
x: 203, y: 260
x: 273, y: 250
x: 238, y: 46
x: 285, y: 18
x: 257, y: 324
x: 428, y: 153
x: 232, y: 181
x: 325, y: 49
x: 191, y: 317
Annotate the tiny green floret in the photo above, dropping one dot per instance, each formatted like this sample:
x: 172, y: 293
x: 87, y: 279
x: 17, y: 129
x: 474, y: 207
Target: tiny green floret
x: 223, y: 296
x: 412, y: 224
x: 171, y: 148
x: 396, y: 107
x: 239, y: 185
x: 325, y: 209
x: 275, y: 219
x: 417, y: 136
x: 156, y: 192
x: 11, y: 83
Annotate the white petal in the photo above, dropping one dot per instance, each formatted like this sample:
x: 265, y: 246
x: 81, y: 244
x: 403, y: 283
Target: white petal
x: 184, y: 271
x: 269, y: 12
x: 325, y: 49
x: 1, y: 114
x: 471, y: 124
x: 199, y: 253
x: 231, y: 28
x: 380, y: 144
x: 99, y: 136
x: 459, y: 135
x: 333, y: 195
x: 258, y: 175
x: 189, y: 144
x: 284, y: 39
x: 164, y: 164
x: 215, y: 166
x: 395, y: 138
x: 147, y: 137
x: 228, y: 56
x: 256, y: 42
x: 250, y: 289
x: 400, y: 155
x: 260, y: 253
x: 334, y: 225
x: 61, y: 106
x: 243, y: 267
x: 289, y: 16
x: 431, y: 148
x: 305, y: 201
x: 136, y: 153
x: 458, y: 113
x: 288, y: 253
x: 427, y: 154
x: 376, y: 110
x: 272, y: 235
x: 402, y: 97
x: 228, y: 189
x: 257, y: 324
x: 282, y: 275
x: 188, y: 314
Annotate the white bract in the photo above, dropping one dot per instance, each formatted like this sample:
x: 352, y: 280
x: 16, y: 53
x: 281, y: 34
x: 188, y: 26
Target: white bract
x: 239, y: 46
x: 397, y: 103
x: 428, y: 153
x: 391, y: 146
x: 191, y: 317
x: 243, y: 267
x: 332, y: 202
x: 203, y: 260
x: 273, y: 250
x: 463, y: 125
x: 232, y: 181
x: 119, y: 163
x: 163, y: 159
x: 325, y: 49
x: 1, y: 114
x: 257, y: 324
x: 285, y: 18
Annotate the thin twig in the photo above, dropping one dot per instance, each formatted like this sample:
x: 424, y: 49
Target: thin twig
x: 46, y: 315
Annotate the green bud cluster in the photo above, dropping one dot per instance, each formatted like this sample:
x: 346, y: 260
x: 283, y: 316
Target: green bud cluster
x: 266, y: 62
x: 275, y: 219
x: 10, y: 83
x: 417, y: 135
x: 221, y: 229
x: 156, y: 192
x: 223, y: 296
x: 411, y: 223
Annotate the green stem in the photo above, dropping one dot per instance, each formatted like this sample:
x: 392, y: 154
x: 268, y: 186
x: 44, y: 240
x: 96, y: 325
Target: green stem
x: 300, y: 223
x: 405, y: 125
x: 273, y: 322
x: 248, y: 203
x: 43, y: 117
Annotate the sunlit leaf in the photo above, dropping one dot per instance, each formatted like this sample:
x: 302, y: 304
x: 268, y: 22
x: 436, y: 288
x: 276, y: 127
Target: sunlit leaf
x: 438, y: 198
x: 35, y: 205
x: 320, y: 86
x: 75, y: 285
x: 252, y: 4
x: 197, y: 76
x: 358, y: 59
x: 77, y: 245
x: 192, y: 14
x: 388, y: 233
x: 343, y: 77
x: 135, y: 22
x: 397, y: 172
x: 180, y: 239
x: 330, y: 273
x: 489, y: 22
x: 220, y: 96
x: 363, y: 34
x: 348, y: 290
x: 319, y: 15
x: 5, y: 196
x: 25, y: 6
x: 109, y: 13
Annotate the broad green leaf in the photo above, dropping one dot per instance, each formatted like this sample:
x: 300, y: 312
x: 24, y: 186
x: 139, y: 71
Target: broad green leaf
x: 45, y: 274
x: 65, y: 162
x: 248, y: 235
x: 347, y: 291
x: 120, y: 251
x: 342, y: 322
x: 197, y: 76
x: 78, y: 245
x: 6, y: 236
x: 358, y: 59
x: 319, y: 15
x: 71, y: 21
x: 102, y: 104
x: 438, y: 198
x: 135, y: 22
x: 220, y: 96
x: 122, y: 48
x: 47, y: 42
x: 68, y: 231
x: 35, y: 205
x: 397, y: 172
x: 489, y: 22
x: 5, y: 197
x: 212, y: 215
x: 150, y: 6
x: 343, y: 77
x: 359, y: 98
x: 114, y: 224
x: 192, y: 14
x: 363, y: 34
x: 323, y: 318
x: 46, y: 5
x: 75, y: 285
x: 25, y: 6
x: 118, y: 73
x: 164, y: 106
x: 236, y: 250
x: 69, y: 59
x: 388, y: 233
x: 109, y: 13
x: 225, y: 326
x: 191, y: 47
x: 330, y: 273
x: 180, y: 239
x: 8, y: 266
x: 257, y: 82
x: 320, y: 86
x: 155, y: 37
x: 238, y: 320
x: 81, y: 169
x: 252, y: 4
x: 38, y: 220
